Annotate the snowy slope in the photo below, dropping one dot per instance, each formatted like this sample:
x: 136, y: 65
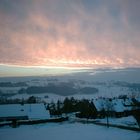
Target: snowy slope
x: 67, y: 131
x: 125, y: 121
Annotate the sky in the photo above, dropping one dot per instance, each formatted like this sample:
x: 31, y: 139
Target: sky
x: 69, y: 33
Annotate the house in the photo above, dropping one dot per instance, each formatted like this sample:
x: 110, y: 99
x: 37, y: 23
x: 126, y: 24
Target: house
x: 119, y: 108
x: 10, y: 112
x: 115, y: 107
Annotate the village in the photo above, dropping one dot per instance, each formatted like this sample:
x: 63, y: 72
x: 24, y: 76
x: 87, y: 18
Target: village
x: 122, y: 112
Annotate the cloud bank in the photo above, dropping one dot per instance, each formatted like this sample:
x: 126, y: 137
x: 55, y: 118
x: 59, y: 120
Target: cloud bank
x: 81, y: 33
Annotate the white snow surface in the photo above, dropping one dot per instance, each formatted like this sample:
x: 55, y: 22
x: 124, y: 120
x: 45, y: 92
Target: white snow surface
x: 66, y: 131
x: 124, y: 121
x: 33, y: 111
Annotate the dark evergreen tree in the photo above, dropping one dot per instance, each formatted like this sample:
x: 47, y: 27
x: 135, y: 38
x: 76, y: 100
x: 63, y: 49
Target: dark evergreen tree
x: 31, y: 99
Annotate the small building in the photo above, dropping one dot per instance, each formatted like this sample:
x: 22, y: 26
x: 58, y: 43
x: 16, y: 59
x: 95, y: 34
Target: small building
x: 119, y: 108
x: 10, y: 112
x: 115, y: 107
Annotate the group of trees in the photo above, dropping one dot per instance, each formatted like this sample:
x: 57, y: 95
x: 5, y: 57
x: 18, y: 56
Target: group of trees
x: 52, y: 88
x: 60, y: 89
x: 136, y: 115
x: 10, y: 84
x: 84, y: 108
x: 31, y: 99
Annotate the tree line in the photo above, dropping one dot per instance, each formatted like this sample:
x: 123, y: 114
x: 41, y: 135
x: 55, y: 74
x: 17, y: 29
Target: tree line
x: 83, y: 108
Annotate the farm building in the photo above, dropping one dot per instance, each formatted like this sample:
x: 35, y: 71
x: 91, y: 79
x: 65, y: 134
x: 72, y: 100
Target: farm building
x: 10, y: 112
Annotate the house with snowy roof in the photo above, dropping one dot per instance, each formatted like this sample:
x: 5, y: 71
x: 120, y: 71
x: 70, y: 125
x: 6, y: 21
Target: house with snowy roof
x: 116, y: 107
x: 10, y: 112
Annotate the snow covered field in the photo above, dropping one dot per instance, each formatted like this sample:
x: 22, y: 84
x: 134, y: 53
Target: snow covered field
x: 129, y: 121
x: 66, y: 131
x: 103, y: 80
x: 110, y: 83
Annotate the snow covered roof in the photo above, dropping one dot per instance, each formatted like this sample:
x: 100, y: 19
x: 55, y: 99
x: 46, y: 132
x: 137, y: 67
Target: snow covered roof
x: 99, y: 104
x: 118, y: 105
x: 33, y: 111
x: 112, y: 105
x: 10, y: 111
x: 128, y: 101
x: 36, y: 111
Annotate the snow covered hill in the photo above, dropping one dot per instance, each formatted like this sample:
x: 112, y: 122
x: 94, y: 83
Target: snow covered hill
x: 108, y: 82
x: 66, y: 131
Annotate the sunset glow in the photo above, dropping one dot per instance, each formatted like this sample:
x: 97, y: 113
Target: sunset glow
x: 69, y: 33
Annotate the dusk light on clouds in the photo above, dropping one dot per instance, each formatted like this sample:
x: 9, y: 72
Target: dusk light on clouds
x: 70, y: 33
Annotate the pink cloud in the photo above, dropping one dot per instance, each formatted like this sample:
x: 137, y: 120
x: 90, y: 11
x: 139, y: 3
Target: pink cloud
x: 85, y: 39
